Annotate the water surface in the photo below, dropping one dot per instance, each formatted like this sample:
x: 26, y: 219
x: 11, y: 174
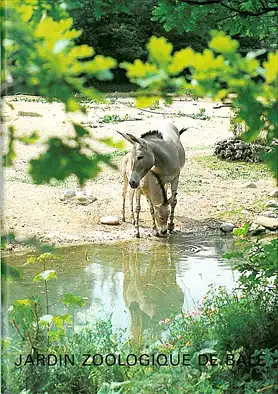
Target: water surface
x: 135, y: 283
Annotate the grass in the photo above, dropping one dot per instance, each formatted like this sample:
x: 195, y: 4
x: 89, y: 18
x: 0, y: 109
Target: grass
x: 234, y: 170
x: 31, y: 114
x: 235, y: 213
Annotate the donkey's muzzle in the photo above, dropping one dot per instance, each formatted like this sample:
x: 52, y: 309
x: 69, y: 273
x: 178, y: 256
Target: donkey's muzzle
x: 133, y: 184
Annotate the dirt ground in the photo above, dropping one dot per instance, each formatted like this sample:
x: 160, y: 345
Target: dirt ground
x: 210, y: 192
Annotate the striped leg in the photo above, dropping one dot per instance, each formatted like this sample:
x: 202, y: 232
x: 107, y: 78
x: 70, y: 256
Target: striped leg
x: 153, y: 218
x: 137, y: 211
x: 131, y: 199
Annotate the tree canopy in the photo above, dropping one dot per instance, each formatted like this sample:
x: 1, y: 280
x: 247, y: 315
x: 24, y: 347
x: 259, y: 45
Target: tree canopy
x: 42, y: 55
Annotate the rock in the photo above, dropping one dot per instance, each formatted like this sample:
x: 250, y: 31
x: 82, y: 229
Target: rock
x: 84, y: 199
x: 269, y: 223
x: 272, y: 203
x: 112, y: 220
x: 273, y: 193
x: 256, y: 229
x: 21, y: 239
x: 70, y: 193
x: 81, y: 196
x: 227, y: 227
x: 250, y: 185
x: 9, y: 247
x: 270, y: 214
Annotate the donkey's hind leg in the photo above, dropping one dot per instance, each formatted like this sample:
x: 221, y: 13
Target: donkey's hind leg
x: 137, y: 211
x: 174, y: 187
x: 153, y: 217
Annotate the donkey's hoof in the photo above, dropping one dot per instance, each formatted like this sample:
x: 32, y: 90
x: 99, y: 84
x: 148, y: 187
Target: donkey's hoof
x: 137, y: 235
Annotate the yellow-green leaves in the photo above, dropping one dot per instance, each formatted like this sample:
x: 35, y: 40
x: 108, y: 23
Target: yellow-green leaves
x: 81, y: 51
x: 100, y: 67
x: 181, y: 59
x: 59, y: 30
x: 271, y: 67
x: 139, y: 69
x: 26, y: 11
x: 206, y: 61
x: 146, y: 101
x: 223, y: 44
x: 160, y: 50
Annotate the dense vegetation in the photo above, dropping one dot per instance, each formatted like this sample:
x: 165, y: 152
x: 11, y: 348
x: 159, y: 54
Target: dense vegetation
x: 230, y: 340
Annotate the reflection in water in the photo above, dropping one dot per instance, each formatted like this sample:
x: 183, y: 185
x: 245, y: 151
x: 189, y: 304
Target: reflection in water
x: 135, y: 283
x: 150, y: 289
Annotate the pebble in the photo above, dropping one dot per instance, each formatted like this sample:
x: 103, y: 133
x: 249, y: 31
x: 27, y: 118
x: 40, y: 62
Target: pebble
x: 245, y: 212
x: 269, y: 223
x: 112, y: 220
x: 9, y: 247
x: 272, y: 203
x: 69, y: 193
x: 250, y: 185
x: 273, y: 193
x: 227, y: 227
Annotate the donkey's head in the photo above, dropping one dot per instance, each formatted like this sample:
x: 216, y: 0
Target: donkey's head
x: 142, y: 159
x: 161, y: 214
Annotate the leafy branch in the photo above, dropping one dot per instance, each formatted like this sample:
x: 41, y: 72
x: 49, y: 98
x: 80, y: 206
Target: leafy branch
x: 242, y: 8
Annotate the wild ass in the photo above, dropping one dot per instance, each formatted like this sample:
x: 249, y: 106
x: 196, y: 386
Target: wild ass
x: 162, y: 152
x: 152, y: 188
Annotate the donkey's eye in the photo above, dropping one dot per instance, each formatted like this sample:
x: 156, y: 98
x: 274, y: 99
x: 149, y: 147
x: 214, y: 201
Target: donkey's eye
x: 140, y: 157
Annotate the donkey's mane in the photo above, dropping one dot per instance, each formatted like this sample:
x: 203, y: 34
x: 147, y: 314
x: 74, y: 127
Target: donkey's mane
x: 152, y: 133
x: 159, y: 183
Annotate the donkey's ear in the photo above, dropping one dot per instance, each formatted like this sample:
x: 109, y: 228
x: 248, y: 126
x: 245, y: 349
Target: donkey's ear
x: 127, y: 137
x: 135, y: 139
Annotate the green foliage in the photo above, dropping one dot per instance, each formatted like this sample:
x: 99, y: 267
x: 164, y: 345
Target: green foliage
x: 72, y: 300
x: 221, y: 325
x: 42, y: 57
x: 244, y: 19
x: 217, y: 73
x: 257, y: 263
x: 115, y: 118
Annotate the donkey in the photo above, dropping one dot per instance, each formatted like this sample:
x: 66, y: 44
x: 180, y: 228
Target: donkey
x: 161, y: 152
x: 154, y: 191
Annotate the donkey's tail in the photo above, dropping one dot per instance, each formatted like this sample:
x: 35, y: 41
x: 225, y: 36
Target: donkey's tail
x: 183, y: 130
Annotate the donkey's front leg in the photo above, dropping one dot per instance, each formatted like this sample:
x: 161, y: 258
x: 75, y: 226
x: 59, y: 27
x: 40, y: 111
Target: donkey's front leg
x: 124, y: 197
x: 153, y: 217
x: 137, y: 211
x: 131, y: 199
x: 174, y: 187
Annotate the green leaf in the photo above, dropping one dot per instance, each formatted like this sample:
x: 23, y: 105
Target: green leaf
x: 223, y: 44
x: 45, y: 276
x: 72, y: 300
x: 31, y: 139
x: 110, y: 142
x: 160, y: 50
x: 80, y: 130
